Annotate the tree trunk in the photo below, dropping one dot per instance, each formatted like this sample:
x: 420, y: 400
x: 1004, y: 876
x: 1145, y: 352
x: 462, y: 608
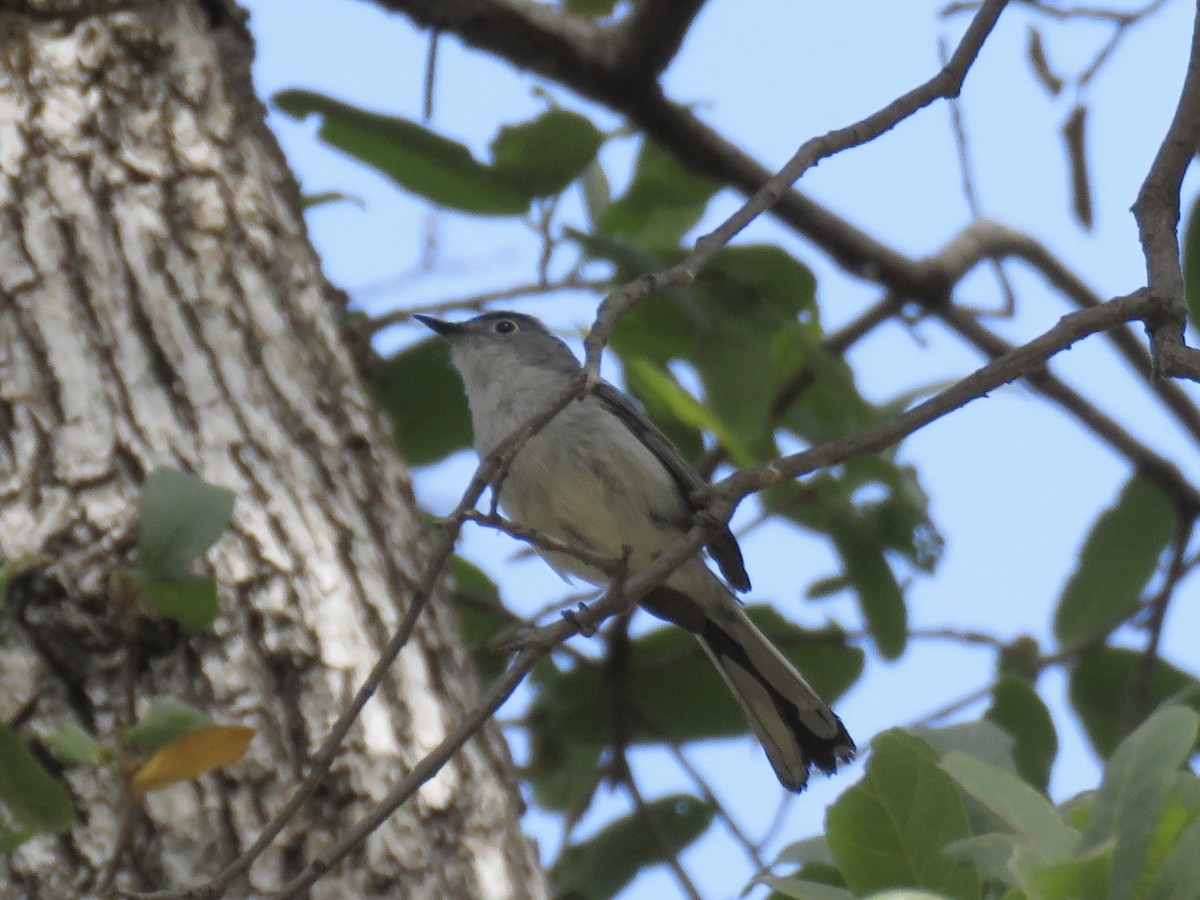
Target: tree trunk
x: 160, y: 304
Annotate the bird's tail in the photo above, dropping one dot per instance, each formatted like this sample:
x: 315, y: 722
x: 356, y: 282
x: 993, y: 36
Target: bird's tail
x: 796, y: 728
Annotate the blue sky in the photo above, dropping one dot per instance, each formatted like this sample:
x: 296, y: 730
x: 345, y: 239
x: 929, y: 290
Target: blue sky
x: 1014, y: 483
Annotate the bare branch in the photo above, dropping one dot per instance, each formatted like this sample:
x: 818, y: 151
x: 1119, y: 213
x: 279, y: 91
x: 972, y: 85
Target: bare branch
x: 1157, y: 213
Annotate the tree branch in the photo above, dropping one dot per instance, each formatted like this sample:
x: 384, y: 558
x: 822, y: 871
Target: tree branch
x: 1157, y: 213
x: 651, y: 34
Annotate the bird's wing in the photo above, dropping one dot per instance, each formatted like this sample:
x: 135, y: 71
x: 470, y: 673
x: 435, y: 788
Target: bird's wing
x: 723, y: 547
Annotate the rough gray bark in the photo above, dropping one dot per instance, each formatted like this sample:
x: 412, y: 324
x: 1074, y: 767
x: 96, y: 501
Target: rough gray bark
x: 160, y: 304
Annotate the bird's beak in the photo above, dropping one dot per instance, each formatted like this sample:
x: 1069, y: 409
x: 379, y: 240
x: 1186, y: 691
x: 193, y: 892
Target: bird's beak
x: 445, y: 329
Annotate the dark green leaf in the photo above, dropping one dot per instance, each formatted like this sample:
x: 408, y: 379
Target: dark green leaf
x: 1103, y: 681
x: 602, y: 865
x: 417, y: 159
x: 1137, y: 782
x: 36, y: 798
x: 11, y: 840
x: 1115, y: 563
x: 324, y: 198
x: 1191, y: 262
x: 181, y: 517
x: 481, y: 616
x: 593, y: 9
x: 890, y: 828
x: 663, y: 203
x: 423, y: 398
x: 166, y: 721
x: 827, y: 587
x: 192, y: 602
x: 75, y: 747
x: 542, y: 157
x: 1017, y: 708
x: 875, y: 585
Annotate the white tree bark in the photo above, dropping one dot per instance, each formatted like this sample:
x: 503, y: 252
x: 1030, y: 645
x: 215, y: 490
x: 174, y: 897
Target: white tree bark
x: 160, y: 304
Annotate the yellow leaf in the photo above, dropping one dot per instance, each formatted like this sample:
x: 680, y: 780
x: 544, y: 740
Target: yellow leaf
x: 190, y: 756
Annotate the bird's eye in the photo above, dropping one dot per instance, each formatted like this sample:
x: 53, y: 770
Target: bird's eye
x: 505, y: 326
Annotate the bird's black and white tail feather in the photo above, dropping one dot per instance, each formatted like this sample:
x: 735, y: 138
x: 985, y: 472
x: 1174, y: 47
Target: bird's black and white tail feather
x: 796, y: 728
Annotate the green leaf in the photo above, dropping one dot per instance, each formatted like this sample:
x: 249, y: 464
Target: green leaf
x: 324, y: 198
x: 1178, y: 878
x: 658, y: 383
x: 423, y: 398
x: 36, y: 798
x: 192, y: 602
x: 1073, y: 879
x: 664, y: 201
x: 890, y: 827
x: 989, y: 854
x: 481, y: 616
x: 1017, y: 804
x: 166, y: 721
x: 1137, y: 782
x: 75, y: 747
x: 593, y: 9
x: 875, y: 585
x: 181, y: 517
x: 1191, y: 262
x: 1115, y: 563
x: 659, y: 406
x: 415, y: 158
x: 542, y: 157
x: 11, y: 840
x: 802, y: 889
x: 1104, y: 679
x: 597, y: 193
x: 1017, y: 708
x: 602, y: 865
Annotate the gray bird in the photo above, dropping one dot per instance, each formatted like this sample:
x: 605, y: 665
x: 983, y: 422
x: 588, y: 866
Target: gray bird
x: 601, y: 476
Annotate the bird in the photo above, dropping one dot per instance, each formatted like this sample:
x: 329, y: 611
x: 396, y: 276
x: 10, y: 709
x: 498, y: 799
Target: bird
x: 601, y: 476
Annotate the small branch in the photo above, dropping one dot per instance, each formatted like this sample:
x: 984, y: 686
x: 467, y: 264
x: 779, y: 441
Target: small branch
x: 706, y: 794
x: 669, y: 851
x: 618, y: 597
x: 1156, y: 211
x: 1015, y: 362
x: 609, y: 565
x: 946, y: 83
x: 478, y: 301
x: 959, y: 129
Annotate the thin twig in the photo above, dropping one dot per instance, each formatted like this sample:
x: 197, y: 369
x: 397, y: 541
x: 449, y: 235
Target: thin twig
x: 959, y: 129
x: 1156, y: 211
x: 1138, y: 698
x: 947, y: 83
x: 478, y: 301
x: 670, y: 853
